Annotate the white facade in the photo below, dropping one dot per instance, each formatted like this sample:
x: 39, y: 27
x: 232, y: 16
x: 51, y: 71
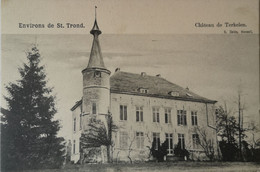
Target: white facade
x: 167, y: 125
x: 137, y: 135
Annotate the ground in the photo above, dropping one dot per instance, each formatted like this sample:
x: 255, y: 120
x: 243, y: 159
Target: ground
x: 165, y: 167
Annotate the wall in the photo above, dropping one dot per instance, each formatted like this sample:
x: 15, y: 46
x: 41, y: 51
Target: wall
x: 148, y: 126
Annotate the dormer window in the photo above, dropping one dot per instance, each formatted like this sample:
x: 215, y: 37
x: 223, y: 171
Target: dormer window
x: 174, y: 93
x: 189, y: 95
x: 97, y: 74
x: 143, y: 90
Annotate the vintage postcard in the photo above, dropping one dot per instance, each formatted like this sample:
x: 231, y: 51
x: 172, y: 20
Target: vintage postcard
x: 136, y: 85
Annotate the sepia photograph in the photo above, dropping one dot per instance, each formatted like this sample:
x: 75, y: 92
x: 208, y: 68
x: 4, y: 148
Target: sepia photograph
x: 117, y: 85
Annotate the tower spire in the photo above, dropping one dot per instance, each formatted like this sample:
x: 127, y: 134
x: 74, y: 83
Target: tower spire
x: 95, y: 28
x: 95, y: 12
x: 96, y: 59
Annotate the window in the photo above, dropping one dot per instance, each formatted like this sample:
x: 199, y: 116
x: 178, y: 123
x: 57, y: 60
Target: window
x: 156, y: 139
x: 174, y: 93
x: 123, y: 140
x: 194, y: 118
x: 74, y: 146
x: 216, y: 112
x: 94, y: 108
x: 123, y: 112
x: 182, y: 119
x: 167, y: 115
x: 195, y: 141
x: 139, y: 114
x: 74, y: 124
x: 156, y: 115
x: 169, y: 140
x: 181, y: 141
x: 142, y: 90
x: 139, y: 140
x: 80, y: 121
x: 97, y: 74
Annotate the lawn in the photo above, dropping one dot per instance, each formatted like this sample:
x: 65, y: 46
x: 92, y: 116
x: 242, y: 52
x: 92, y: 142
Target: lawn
x: 165, y: 166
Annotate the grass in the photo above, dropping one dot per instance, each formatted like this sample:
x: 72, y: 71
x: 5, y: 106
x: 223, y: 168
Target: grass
x: 154, y: 167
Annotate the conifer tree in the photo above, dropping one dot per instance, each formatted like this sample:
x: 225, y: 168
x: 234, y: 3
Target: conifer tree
x: 29, y: 133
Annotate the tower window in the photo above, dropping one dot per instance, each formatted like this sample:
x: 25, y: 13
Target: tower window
x: 94, y: 108
x: 97, y: 74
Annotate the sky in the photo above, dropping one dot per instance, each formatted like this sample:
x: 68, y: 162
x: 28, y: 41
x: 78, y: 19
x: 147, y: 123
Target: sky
x: 156, y: 37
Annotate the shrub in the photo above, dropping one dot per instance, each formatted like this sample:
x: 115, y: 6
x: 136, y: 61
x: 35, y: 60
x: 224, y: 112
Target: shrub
x: 181, y: 152
x: 160, y: 152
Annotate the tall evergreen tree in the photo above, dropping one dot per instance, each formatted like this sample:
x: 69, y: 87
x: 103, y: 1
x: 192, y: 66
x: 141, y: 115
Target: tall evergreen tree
x: 29, y: 133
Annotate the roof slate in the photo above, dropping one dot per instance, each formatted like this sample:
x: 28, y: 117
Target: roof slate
x: 129, y: 83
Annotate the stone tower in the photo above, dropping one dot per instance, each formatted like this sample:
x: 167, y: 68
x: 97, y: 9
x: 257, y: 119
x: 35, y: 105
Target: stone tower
x: 96, y: 85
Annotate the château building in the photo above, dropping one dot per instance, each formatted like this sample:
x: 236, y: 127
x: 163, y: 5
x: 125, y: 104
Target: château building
x: 145, y: 108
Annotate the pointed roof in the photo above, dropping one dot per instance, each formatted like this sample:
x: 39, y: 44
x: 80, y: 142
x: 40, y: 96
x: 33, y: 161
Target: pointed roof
x: 96, y: 58
x: 95, y: 28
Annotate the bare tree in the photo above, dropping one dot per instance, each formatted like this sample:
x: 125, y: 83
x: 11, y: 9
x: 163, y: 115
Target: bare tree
x: 117, y: 156
x: 206, y: 143
x: 253, y: 129
x: 149, y: 147
x: 130, y: 149
x: 97, y: 134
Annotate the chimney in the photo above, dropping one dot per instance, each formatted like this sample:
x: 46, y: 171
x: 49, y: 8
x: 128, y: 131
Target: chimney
x: 143, y: 74
x: 158, y: 75
x: 117, y: 69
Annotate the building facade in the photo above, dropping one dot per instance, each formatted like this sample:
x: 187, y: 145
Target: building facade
x: 145, y: 108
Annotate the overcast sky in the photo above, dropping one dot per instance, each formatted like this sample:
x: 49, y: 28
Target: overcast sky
x: 212, y: 66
